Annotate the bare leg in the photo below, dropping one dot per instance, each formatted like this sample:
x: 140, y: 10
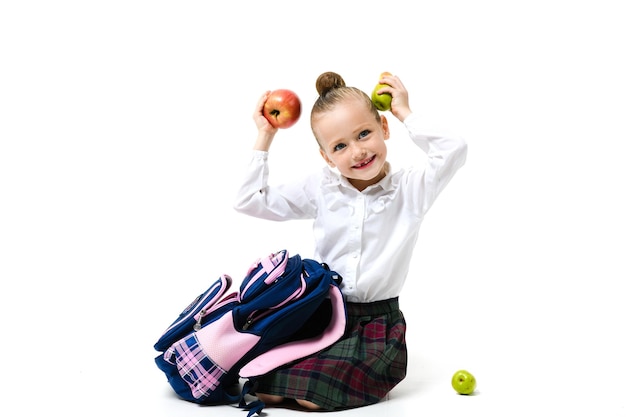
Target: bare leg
x: 270, y: 399
x: 308, y: 405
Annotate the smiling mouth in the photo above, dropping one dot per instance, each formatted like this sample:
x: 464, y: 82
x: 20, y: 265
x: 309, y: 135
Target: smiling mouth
x: 364, y: 162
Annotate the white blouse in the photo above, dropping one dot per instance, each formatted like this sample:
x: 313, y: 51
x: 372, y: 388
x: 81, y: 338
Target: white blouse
x: 368, y: 237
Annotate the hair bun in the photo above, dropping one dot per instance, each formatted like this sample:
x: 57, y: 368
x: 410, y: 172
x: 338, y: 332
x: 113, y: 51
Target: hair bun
x: 327, y: 81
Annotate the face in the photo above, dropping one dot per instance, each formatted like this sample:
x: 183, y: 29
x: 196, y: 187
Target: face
x: 353, y: 141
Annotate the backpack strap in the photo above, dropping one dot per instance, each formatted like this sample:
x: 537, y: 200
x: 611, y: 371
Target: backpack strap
x: 253, y: 407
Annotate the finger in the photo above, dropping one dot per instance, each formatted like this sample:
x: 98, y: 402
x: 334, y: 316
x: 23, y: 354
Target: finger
x: 388, y: 79
x: 258, y: 110
x: 262, y: 99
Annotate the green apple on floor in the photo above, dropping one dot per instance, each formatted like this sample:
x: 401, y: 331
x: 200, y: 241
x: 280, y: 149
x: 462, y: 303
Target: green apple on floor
x: 463, y: 382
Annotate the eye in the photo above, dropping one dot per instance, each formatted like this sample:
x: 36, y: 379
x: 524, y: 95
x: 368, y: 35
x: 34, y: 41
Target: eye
x: 339, y: 147
x: 364, y: 134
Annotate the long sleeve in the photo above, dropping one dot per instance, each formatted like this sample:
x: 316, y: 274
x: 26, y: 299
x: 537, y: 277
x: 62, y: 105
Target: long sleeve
x: 282, y: 202
x: 445, y: 155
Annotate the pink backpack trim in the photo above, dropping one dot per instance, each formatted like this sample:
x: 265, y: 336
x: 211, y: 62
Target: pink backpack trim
x: 289, y: 352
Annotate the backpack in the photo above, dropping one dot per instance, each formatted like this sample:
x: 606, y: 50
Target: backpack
x: 286, y: 309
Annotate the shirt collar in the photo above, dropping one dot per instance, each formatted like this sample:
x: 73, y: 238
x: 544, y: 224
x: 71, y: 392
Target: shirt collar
x: 333, y: 178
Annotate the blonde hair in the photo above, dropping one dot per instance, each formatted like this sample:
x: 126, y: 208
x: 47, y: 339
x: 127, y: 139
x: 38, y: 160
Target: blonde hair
x: 332, y: 90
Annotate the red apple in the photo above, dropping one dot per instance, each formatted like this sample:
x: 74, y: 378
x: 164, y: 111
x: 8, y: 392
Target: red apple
x: 282, y: 108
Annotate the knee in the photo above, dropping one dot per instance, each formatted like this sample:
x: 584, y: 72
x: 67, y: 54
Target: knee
x: 270, y: 399
x: 308, y: 405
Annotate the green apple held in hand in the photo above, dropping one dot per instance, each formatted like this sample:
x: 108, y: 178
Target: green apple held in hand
x: 463, y: 382
x: 381, y: 101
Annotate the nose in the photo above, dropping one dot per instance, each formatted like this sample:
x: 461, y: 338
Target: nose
x: 358, y: 152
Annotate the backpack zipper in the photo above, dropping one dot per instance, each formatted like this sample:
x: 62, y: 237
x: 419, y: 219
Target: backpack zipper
x: 254, y: 317
x: 198, y: 324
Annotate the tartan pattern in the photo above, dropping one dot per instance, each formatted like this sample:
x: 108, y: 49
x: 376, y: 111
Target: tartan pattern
x: 360, y: 369
x: 195, y: 366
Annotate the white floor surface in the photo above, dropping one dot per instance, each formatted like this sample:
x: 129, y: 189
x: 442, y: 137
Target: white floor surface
x: 124, y: 125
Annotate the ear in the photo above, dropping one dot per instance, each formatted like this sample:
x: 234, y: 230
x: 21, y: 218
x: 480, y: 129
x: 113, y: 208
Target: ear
x: 326, y: 158
x: 385, y: 125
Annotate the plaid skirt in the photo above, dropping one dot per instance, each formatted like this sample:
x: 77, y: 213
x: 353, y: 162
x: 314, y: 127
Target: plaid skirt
x: 359, y: 369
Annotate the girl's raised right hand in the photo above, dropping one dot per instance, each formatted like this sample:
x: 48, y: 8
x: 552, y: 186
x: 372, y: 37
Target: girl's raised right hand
x: 266, y: 130
x: 261, y: 122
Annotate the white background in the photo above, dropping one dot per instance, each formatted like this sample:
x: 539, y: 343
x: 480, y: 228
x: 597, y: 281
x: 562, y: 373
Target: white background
x: 124, y: 126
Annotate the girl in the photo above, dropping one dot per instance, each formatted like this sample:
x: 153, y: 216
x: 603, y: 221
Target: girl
x: 366, y: 220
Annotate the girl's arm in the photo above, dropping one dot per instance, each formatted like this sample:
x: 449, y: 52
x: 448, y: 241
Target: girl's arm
x: 445, y: 155
x: 281, y: 202
x: 255, y: 197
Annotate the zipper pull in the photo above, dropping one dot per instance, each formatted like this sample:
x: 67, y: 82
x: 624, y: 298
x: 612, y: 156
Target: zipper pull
x: 198, y: 324
x: 248, y: 323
